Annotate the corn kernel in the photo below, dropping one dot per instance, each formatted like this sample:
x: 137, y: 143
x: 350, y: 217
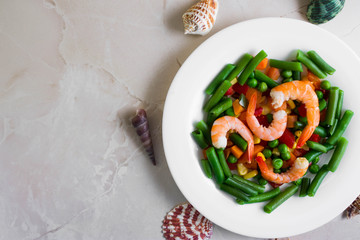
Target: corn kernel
x: 260, y: 154
x: 295, y: 144
x: 288, y: 111
x: 298, y: 133
x: 242, y: 170
x: 257, y: 140
x: 291, y: 104
x: 276, y: 152
x: 305, y: 147
x: 251, y: 174
x: 266, y: 109
x: 233, y: 81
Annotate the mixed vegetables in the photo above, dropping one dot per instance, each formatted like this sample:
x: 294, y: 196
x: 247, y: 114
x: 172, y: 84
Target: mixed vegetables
x: 267, y: 122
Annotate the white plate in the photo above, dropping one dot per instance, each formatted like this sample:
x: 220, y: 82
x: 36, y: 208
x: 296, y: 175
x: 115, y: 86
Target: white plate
x: 279, y: 37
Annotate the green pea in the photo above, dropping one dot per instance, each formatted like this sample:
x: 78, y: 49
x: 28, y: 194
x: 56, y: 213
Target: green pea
x: 262, y: 87
x: 283, y: 148
x: 267, y: 153
x: 252, y: 75
x: 314, y: 168
x: 287, y: 80
x: 273, y: 143
x: 232, y: 159
x: 262, y: 181
x: 286, y: 73
x: 316, y: 160
x: 325, y: 84
x: 277, y: 163
x: 319, y: 94
x: 252, y: 82
x: 285, y: 155
x: 277, y: 171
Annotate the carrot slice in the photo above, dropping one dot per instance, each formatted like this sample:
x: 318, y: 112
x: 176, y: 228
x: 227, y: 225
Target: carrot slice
x: 314, y: 80
x: 291, y: 119
x: 273, y: 73
x: 263, y: 64
x: 257, y: 148
x: 236, y: 151
x: 237, y: 107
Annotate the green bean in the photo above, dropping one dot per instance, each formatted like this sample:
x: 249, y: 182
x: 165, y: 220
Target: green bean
x: 333, y: 127
x: 238, y: 141
x: 296, y: 75
x: 230, y: 112
x: 293, y: 66
x: 223, y: 163
x: 304, y: 187
x: 280, y: 198
x: 340, y: 104
x: 312, y: 154
x: 219, y: 78
x: 205, y: 130
x: 262, y: 87
x: 235, y: 192
x: 262, y: 181
x: 215, y: 165
x: 259, y: 188
x: 324, y: 66
x: 287, y: 80
x: 206, y: 168
x: 252, y: 75
x: 338, y: 154
x: 341, y: 127
x: 199, y: 138
x: 262, y: 197
x: 315, y: 183
x: 332, y: 105
x: 301, y: 57
x: 251, y: 67
x: 262, y: 77
x: 322, y: 104
x: 210, y: 119
x: 252, y: 82
x: 221, y: 107
x: 232, y: 159
x: 241, y: 186
x: 286, y: 73
x: 316, y: 146
x: 299, y: 125
x: 219, y: 93
x: 319, y: 130
x: 240, y: 65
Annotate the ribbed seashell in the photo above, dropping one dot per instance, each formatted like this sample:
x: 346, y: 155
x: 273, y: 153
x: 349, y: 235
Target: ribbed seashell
x: 353, y: 209
x: 200, y: 18
x: 141, y: 125
x: 321, y: 11
x: 185, y: 222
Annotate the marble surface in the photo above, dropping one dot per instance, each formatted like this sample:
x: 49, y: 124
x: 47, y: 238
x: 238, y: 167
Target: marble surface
x: 72, y: 75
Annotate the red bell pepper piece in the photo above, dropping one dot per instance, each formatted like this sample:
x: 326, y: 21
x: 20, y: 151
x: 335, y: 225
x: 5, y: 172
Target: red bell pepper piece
x: 258, y: 111
x: 230, y: 91
x: 263, y: 120
x: 232, y: 166
x: 275, y: 185
x: 240, y: 89
x: 288, y: 138
x: 302, y: 110
x: 315, y: 138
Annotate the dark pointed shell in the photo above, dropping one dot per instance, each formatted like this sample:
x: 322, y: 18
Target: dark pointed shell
x: 321, y: 11
x: 354, y: 208
x: 185, y: 222
x: 141, y: 125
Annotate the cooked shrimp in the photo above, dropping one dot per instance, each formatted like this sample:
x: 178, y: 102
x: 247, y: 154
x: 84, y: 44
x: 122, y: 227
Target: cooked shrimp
x: 222, y: 125
x: 296, y: 171
x: 276, y: 128
x: 304, y: 92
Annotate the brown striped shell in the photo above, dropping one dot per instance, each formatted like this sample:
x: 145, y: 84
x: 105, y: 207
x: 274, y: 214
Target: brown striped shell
x: 185, y: 222
x: 354, y: 208
x: 140, y: 123
x: 200, y: 18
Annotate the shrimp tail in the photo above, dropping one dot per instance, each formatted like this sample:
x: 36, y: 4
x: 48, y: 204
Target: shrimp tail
x: 305, y: 135
x: 262, y: 165
x: 252, y: 104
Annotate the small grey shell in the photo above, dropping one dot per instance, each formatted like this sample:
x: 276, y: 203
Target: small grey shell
x: 353, y: 209
x: 185, y: 222
x: 140, y: 123
x: 322, y: 11
x: 200, y: 18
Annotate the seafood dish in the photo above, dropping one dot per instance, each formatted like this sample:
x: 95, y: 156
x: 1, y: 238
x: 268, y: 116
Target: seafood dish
x: 266, y: 124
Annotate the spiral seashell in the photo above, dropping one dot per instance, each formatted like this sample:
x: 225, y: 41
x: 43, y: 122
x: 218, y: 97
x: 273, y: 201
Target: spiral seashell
x: 185, y: 222
x: 141, y: 125
x: 321, y: 11
x: 354, y: 208
x: 200, y: 18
